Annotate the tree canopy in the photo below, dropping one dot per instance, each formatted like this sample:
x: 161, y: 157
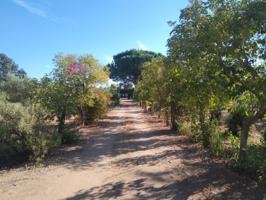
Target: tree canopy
x: 215, y: 62
x: 126, y: 66
x: 71, y: 87
x: 8, y: 66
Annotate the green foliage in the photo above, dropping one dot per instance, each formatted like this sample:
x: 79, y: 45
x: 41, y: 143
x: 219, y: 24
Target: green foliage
x: 8, y: 67
x: 70, y: 88
x: 216, y: 140
x: 235, y: 122
x: 28, y: 106
x: 152, y: 88
x: 185, y: 128
x: 232, y: 153
x: 18, y: 89
x: 40, y: 142
x: 98, y: 109
x: 22, y: 128
x: 234, y: 141
x: 216, y: 144
x: 115, y: 98
x: 56, y: 97
x: 256, y: 157
x: 209, y: 67
x: 255, y: 163
x: 69, y: 136
x: 126, y: 66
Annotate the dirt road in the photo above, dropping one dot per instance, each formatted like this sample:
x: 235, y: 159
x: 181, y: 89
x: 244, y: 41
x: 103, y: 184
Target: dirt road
x: 130, y: 155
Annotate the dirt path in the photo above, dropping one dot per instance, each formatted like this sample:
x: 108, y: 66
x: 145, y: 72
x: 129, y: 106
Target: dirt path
x: 130, y: 155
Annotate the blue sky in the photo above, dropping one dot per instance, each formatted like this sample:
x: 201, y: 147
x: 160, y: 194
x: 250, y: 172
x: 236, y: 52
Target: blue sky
x: 33, y: 31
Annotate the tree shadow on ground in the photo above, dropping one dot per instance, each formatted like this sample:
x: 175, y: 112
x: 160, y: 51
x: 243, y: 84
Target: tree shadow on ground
x: 202, y: 186
x: 198, y: 178
x: 111, y: 144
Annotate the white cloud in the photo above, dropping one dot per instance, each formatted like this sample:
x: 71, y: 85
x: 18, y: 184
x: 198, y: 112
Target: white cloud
x: 142, y: 46
x: 109, y: 59
x: 39, y: 12
x: 31, y: 9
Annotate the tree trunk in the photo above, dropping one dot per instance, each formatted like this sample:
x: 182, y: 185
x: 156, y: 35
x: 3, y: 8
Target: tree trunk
x: 173, y: 116
x: 87, y: 119
x: 166, y: 116
x: 202, y: 119
x: 145, y: 107
x: 81, y: 113
x: 246, y: 124
x: 244, y: 140
x: 203, y: 127
x: 61, y: 124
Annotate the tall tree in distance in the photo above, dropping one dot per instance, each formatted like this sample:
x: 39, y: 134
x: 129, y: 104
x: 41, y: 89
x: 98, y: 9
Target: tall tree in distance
x: 126, y: 66
x: 13, y: 81
x: 8, y: 66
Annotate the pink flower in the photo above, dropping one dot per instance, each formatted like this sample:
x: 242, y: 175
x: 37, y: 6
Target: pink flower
x: 75, y: 69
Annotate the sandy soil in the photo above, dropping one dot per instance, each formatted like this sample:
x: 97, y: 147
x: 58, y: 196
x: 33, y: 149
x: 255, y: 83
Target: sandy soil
x: 129, y: 155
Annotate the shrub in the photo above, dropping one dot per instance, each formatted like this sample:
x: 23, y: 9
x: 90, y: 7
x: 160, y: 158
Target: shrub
x: 235, y: 121
x: 115, y: 99
x: 99, y: 107
x: 22, y: 130
x: 69, y: 136
x: 185, y: 128
x: 114, y: 96
x: 216, y: 141
x: 255, y: 163
x: 17, y: 89
x: 256, y: 157
x: 233, y: 151
x: 39, y: 143
x: 195, y: 129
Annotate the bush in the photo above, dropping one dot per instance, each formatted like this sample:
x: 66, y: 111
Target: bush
x: 69, y: 136
x: 99, y: 107
x: 38, y: 143
x: 185, y: 128
x: 216, y: 141
x: 22, y: 130
x: 17, y: 89
x: 195, y: 129
x: 235, y: 122
x: 255, y: 163
x: 233, y: 151
x: 115, y: 99
x: 114, y: 96
x: 256, y: 157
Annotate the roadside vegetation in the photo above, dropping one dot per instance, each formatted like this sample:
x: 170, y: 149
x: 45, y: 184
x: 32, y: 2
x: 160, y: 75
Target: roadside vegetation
x: 33, y: 113
x: 211, y: 85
